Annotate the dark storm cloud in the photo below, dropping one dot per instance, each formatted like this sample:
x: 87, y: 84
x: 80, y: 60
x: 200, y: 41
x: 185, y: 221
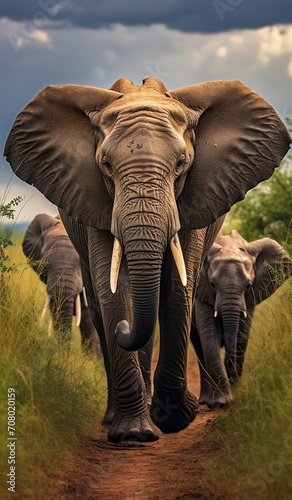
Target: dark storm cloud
x: 182, y: 42
x: 206, y: 16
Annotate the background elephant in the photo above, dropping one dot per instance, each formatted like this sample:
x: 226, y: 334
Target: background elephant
x: 52, y: 255
x: 142, y: 178
x: 235, y: 277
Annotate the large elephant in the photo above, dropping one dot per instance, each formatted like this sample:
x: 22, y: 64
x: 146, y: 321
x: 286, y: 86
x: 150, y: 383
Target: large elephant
x: 140, y: 174
x: 52, y: 255
x: 235, y: 277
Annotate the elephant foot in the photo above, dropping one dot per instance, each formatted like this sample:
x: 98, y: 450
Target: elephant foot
x: 171, y: 414
x: 215, y: 392
x: 139, y: 428
x: 233, y: 379
x: 213, y: 400
x: 219, y: 402
x: 108, y: 417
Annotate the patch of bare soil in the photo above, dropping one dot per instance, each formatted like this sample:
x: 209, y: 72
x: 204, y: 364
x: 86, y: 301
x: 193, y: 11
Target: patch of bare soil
x: 173, y: 467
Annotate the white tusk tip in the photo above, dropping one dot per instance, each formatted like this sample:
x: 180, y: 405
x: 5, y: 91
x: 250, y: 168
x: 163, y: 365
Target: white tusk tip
x: 78, y: 310
x: 184, y: 281
x: 179, y: 259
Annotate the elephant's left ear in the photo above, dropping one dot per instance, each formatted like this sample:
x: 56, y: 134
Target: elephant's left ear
x: 204, y: 290
x: 52, y: 146
x: 273, y: 266
x: 240, y: 140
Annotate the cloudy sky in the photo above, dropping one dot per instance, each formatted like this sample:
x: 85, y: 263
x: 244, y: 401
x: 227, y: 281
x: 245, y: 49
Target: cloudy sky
x: 96, y: 42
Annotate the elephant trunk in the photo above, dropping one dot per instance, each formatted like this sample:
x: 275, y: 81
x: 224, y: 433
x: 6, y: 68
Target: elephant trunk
x: 62, y: 312
x: 145, y: 220
x: 63, y: 289
x: 231, y: 327
x: 144, y: 261
x: 230, y: 304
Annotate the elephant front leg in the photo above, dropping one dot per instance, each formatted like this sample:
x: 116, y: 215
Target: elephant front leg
x: 205, y: 336
x: 145, y: 358
x: 131, y: 420
x: 242, y: 341
x: 173, y: 407
x: 205, y: 387
x: 130, y: 417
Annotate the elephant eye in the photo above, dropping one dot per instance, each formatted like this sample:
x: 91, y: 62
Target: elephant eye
x: 106, y: 167
x: 181, y: 162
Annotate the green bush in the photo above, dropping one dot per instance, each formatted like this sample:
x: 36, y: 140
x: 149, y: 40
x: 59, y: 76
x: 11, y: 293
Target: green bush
x: 6, y: 212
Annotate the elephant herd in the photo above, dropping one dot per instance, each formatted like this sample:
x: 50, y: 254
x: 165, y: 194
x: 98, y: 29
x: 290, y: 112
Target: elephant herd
x: 143, y: 178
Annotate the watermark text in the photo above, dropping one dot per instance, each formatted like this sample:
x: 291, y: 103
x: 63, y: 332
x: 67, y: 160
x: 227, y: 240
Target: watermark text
x: 11, y: 438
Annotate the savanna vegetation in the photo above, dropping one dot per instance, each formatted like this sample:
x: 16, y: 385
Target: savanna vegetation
x: 60, y: 397
x: 254, y: 436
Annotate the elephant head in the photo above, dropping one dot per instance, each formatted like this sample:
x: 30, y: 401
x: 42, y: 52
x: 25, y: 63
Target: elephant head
x: 143, y: 162
x: 235, y: 277
x: 35, y: 242
x: 52, y: 255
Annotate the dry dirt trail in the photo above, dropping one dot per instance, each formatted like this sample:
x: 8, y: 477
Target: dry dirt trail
x: 171, y: 468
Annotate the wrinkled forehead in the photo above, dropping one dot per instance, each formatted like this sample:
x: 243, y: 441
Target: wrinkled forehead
x: 229, y: 259
x: 139, y: 104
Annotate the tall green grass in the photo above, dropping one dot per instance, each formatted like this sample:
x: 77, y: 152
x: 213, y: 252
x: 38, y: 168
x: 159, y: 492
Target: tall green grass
x: 254, y: 436
x: 60, y: 396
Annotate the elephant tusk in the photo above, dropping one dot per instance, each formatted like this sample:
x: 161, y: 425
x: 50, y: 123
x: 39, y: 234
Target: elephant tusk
x: 78, y: 310
x: 115, y: 264
x: 46, y: 305
x: 245, y: 314
x: 85, y: 297
x: 179, y: 259
x: 215, y: 313
x: 50, y: 327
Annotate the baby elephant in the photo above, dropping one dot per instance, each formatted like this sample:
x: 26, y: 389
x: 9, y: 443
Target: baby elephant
x: 52, y: 255
x: 235, y: 277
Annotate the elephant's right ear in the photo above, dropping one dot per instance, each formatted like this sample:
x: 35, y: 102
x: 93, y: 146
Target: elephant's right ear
x: 33, y: 242
x: 52, y: 146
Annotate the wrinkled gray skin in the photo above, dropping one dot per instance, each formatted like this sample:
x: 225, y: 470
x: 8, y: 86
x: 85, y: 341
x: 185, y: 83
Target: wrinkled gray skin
x: 235, y: 277
x: 140, y: 163
x: 52, y: 255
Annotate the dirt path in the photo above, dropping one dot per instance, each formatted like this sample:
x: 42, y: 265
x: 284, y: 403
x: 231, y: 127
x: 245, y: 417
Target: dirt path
x: 172, y: 468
